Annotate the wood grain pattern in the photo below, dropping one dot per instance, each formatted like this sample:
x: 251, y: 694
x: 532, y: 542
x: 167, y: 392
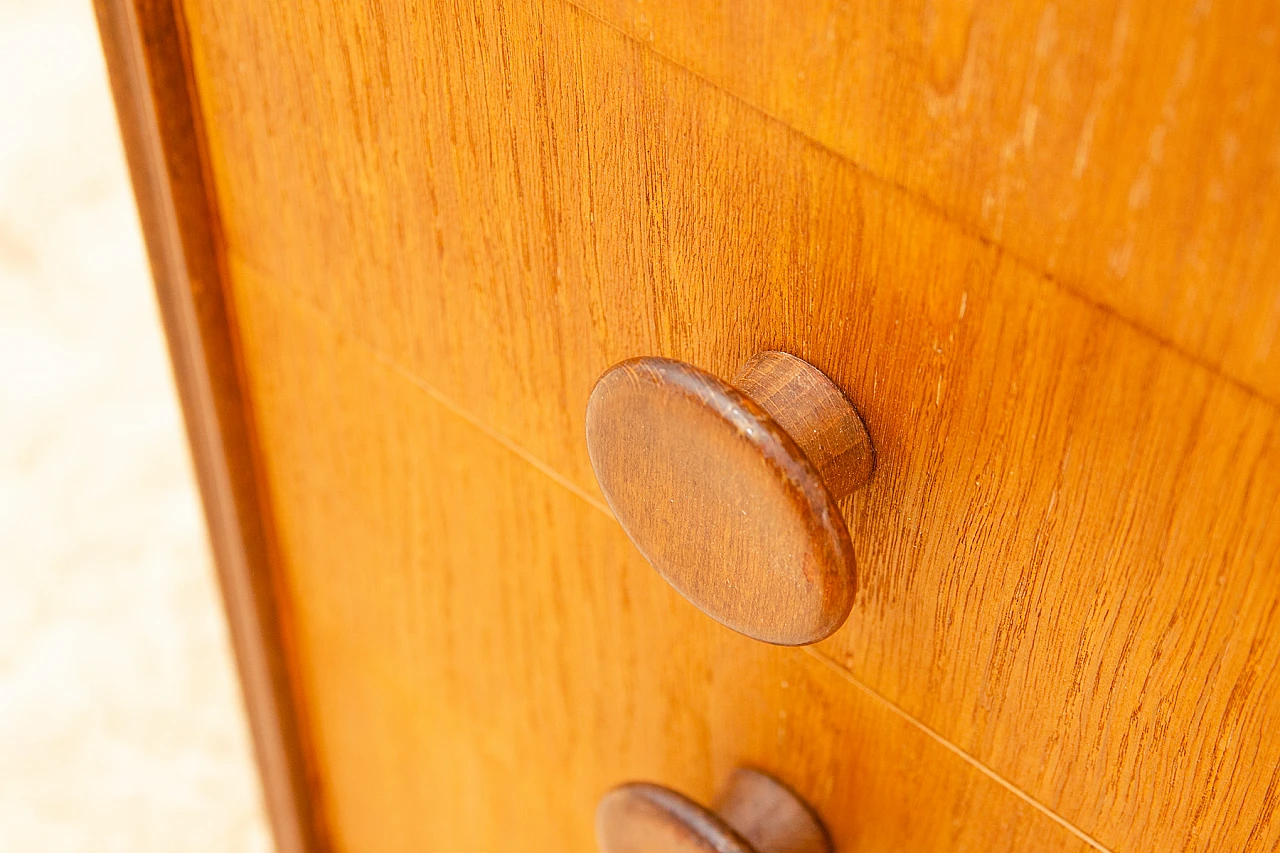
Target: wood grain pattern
x: 145, y: 50
x: 1068, y: 549
x: 1129, y: 149
x: 723, y: 502
x: 483, y: 652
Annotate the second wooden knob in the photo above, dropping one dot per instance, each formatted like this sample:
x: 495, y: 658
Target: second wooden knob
x: 755, y: 814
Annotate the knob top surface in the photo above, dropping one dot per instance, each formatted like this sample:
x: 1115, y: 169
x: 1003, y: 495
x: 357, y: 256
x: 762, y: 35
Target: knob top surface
x: 721, y: 500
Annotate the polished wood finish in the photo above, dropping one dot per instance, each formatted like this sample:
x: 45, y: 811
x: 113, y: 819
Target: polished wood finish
x: 483, y: 652
x: 754, y: 814
x: 727, y: 504
x: 1067, y: 552
x: 145, y: 48
x: 1126, y: 149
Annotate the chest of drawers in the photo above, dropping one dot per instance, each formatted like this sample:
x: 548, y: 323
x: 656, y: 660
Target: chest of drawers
x: 1037, y: 247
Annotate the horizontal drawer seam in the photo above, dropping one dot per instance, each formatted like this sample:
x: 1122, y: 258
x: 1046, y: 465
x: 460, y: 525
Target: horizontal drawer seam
x: 947, y: 216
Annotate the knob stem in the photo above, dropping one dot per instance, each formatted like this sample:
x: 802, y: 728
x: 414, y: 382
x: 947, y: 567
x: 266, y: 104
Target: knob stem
x: 816, y: 414
x: 769, y: 816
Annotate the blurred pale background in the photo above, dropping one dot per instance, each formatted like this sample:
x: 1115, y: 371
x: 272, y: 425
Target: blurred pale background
x: 121, y: 725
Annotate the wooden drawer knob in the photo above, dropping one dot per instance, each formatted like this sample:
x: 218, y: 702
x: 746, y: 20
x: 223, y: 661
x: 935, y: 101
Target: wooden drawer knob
x: 755, y: 814
x: 730, y: 491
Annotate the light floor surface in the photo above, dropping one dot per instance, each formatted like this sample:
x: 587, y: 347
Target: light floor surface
x: 121, y: 723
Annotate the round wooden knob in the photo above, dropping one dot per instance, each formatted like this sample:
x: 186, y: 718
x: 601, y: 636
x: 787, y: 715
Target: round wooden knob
x: 731, y: 492
x: 756, y: 814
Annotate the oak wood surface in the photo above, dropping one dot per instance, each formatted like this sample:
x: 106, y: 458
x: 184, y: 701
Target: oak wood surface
x: 145, y: 47
x: 483, y: 652
x: 1069, y: 551
x: 724, y: 503
x: 1128, y: 149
